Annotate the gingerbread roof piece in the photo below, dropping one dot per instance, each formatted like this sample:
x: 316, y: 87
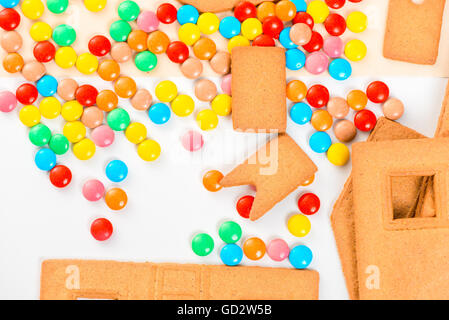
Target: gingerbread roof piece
x: 217, y: 5
x: 276, y: 170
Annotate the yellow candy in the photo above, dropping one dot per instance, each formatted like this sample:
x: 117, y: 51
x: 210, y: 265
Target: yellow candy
x: 87, y: 63
x: 65, y: 57
x: 32, y: 9
x: 183, y: 105
x: 237, y: 41
x: 149, y: 150
x: 166, y: 91
x: 136, y: 132
x: 318, y: 10
x: 95, y: 5
x: 189, y: 33
x: 208, y: 23
x: 207, y: 119
x: 40, y: 31
x: 355, y: 50
x: 357, y: 21
x: 50, y: 107
x: 74, y: 131
x: 30, y: 115
x: 72, y: 110
x: 84, y: 150
x: 299, y: 225
x: 338, y: 154
x: 251, y: 28
x: 222, y: 105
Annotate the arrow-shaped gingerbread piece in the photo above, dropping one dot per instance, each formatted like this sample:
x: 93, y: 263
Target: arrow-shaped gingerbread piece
x: 276, y: 170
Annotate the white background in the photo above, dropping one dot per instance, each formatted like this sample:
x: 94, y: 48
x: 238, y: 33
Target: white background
x: 167, y: 202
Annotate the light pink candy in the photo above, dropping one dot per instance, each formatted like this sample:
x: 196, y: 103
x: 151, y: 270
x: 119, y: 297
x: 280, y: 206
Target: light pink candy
x: 317, y: 62
x: 192, y: 141
x: 8, y: 101
x: 93, y: 190
x: 278, y: 250
x: 103, y: 136
x: 333, y: 47
x: 147, y: 21
x: 226, y: 84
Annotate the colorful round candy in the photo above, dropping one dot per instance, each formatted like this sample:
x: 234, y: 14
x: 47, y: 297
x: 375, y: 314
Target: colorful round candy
x: 128, y: 10
x: 32, y: 9
x: 378, y: 92
x: 345, y: 131
x: 208, y: 23
x: 321, y: 120
x: 202, y: 244
x: 64, y: 35
x: 59, y: 144
x: 11, y: 41
x: 71, y: 110
x: 299, y: 225
x: 166, y: 91
x: 320, y: 142
x: 335, y: 24
x: 317, y: 96
x: 221, y: 104
x: 93, y: 190
x: 357, y: 21
x: 9, y: 19
x: 92, y: 117
x: 107, y: 100
x: 300, y: 34
x: 13, y: 62
x: 244, y: 205
x: 118, y: 119
x: 296, y: 90
x: 317, y: 62
x: 8, y: 101
x: 147, y: 21
x: 205, y: 90
x: 183, y: 105
x: 338, y: 154
x: 301, y: 113
x: 33, y: 70
x: 355, y: 50
x: 149, y: 150
x: 166, y: 13
x: 333, y: 47
x: 237, y: 41
x: 60, y: 176
x: 357, y: 100
x: 207, y: 119
x: 263, y: 41
x: 254, y: 248
x: 137, y: 40
x: 285, y: 10
x: 318, y: 10
x: 338, y: 107
x: 120, y: 30
x: 39, y: 135
x: 101, y: 229
x: 87, y: 63
x: 65, y: 57
x: 47, y: 85
x: 205, y: 49
x: 44, y: 51
x: 285, y: 40
x: 315, y: 43
x: 99, y: 45
x: 142, y: 100
x: 45, y: 159
x: 125, y: 87
x: 158, y: 42
x: 211, y: 180
x: 192, y: 68
x: 300, y: 257
x: 136, y: 132
x: 340, y: 69
x: 74, y: 131
x: 230, y: 27
x: 192, y: 141
x: 116, y: 171
x: 309, y: 204
x: 187, y: 14
x: 40, y: 31
x: 231, y: 255
x: 29, y: 115
x: 159, y: 113
x: 177, y: 52
x: 251, y: 28
x: 121, y: 52
x: 189, y: 33
x: 145, y: 61
x: 295, y: 58
x: 365, y: 120
x: 278, y: 250
x: 393, y: 109
x: 230, y: 232
x: 245, y: 10
x: 103, y: 136
x: 95, y: 5
x: 57, y: 6
x: 116, y: 199
x: 86, y: 95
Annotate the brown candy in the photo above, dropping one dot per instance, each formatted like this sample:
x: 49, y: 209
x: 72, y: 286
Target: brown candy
x: 121, y: 52
x: 11, y: 41
x: 92, y: 117
x: 33, y: 71
x: 300, y: 34
x: 345, y: 131
x: 338, y: 107
x: 204, y: 49
x: 205, y: 90
x: 142, y: 100
x: 13, y: 62
x: 67, y: 88
x: 192, y: 68
x: 221, y: 62
x: 393, y: 109
x: 107, y: 100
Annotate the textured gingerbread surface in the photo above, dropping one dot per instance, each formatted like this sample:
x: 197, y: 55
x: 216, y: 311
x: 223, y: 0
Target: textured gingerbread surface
x: 91, y: 279
x: 216, y: 5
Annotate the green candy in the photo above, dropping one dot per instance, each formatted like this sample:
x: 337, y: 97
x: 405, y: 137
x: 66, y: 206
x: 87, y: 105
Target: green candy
x: 57, y: 6
x: 145, y: 61
x: 39, y: 135
x: 64, y: 35
x: 128, y: 10
x: 118, y: 119
x: 202, y: 244
x: 230, y: 232
x: 120, y: 30
x: 59, y: 144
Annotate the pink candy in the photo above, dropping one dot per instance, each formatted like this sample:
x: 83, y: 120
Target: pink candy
x: 333, y: 47
x: 93, y: 190
x: 192, y: 141
x: 278, y: 250
x: 147, y: 21
x: 317, y: 62
x: 8, y: 101
x: 103, y: 136
x: 226, y: 84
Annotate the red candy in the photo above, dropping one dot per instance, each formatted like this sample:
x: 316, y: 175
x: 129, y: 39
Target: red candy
x: 365, y: 120
x: 245, y: 10
x: 99, y: 46
x: 335, y: 24
x: 304, y: 17
x: 101, y: 229
x: 263, y: 41
x: 378, y: 92
x: 315, y: 43
x: 166, y: 13
x: 26, y: 93
x: 335, y: 4
x: 60, y: 176
x: 86, y: 95
x: 309, y: 204
x: 244, y: 206
x: 9, y: 19
x: 44, y: 51
x: 177, y: 52
x: 317, y: 96
x: 272, y: 26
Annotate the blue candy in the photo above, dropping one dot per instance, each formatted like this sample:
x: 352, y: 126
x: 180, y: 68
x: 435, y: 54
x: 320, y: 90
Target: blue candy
x: 301, y: 5
x: 320, y: 142
x: 9, y: 3
x: 116, y: 171
x: 159, y: 113
x: 340, y: 69
x: 47, y: 86
x: 284, y: 39
x: 187, y: 14
x: 301, y: 113
x: 45, y: 159
x: 300, y: 257
x: 231, y: 255
x: 296, y: 59
x: 230, y: 27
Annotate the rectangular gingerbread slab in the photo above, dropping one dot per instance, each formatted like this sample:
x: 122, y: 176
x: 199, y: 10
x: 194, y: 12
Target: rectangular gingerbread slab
x: 91, y: 279
x: 413, y: 31
x: 258, y: 89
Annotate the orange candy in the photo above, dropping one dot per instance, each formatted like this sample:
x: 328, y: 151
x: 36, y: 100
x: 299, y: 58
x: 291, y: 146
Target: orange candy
x: 254, y: 248
x: 108, y: 70
x: 211, y: 180
x: 116, y: 199
x: 308, y: 182
x: 266, y: 9
x: 13, y: 62
x: 321, y: 120
x: 357, y: 100
x: 107, y: 100
x: 296, y: 90
x: 285, y: 10
x: 125, y: 87
x: 204, y: 49
x: 137, y: 40
x: 158, y: 42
